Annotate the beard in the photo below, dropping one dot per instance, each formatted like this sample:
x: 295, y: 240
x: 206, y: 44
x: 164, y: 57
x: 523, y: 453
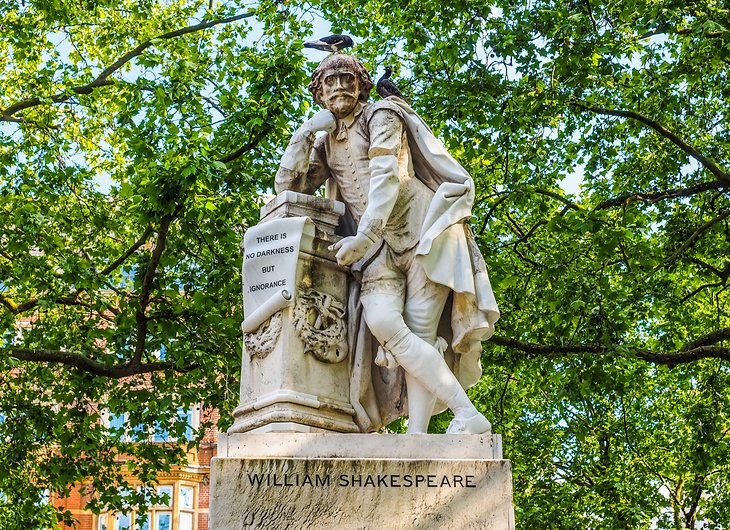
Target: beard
x: 341, y: 104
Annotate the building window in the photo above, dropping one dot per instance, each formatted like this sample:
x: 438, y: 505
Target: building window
x: 186, y: 497
x: 186, y: 415
x: 163, y: 520
x: 166, y: 492
x: 161, y: 433
x: 124, y: 521
x: 116, y: 421
x: 143, y: 522
x: 186, y: 521
x: 174, y: 511
x: 186, y: 506
x: 118, y: 424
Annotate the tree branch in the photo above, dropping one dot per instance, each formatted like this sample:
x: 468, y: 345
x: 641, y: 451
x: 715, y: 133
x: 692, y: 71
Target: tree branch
x: 121, y: 259
x: 253, y: 142
x: 568, y: 204
x: 690, y: 354
x: 18, y: 308
x: 103, y: 78
x: 655, y: 196
x: 696, y: 234
x: 683, y: 31
x: 709, y: 339
x: 529, y: 233
x: 723, y: 274
x: 546, y: 349
x: 662, y: 131
x: 80, y: 361
x: 684, y: 356
x: 699, y: 290
x: 12, y: 306
x: 147, y: 282
x: 491, y: 212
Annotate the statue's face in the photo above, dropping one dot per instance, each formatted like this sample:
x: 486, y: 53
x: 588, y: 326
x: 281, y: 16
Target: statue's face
x: 340, y: 91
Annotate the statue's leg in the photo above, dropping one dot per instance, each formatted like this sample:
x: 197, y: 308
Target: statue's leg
x: 424, y: 304
x: 383, y: 315
x: 421, y: 402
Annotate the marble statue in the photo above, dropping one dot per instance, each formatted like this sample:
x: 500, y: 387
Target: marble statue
x: 421, y: 298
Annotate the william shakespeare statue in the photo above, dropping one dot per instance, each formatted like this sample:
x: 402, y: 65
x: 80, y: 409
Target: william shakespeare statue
x: 421, y: 302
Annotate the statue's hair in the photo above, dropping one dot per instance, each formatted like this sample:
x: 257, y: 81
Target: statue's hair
x: 340, y: 60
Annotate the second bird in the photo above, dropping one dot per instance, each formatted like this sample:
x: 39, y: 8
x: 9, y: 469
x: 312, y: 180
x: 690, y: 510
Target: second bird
x: 331, y: 43
x: 386, y: 87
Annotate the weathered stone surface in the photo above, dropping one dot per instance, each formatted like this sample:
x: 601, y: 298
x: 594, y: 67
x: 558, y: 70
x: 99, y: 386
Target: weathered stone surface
x: 454, y: 487
x: 294, y: 375
x: 324, y: 212
x: 331, y: 445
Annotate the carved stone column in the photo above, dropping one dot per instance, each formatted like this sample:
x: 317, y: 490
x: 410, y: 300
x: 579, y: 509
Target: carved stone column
x: 294, y: 375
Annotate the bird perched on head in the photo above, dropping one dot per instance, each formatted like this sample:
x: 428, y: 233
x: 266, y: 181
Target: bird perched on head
x: 331, y: 43
x: 386, y: 87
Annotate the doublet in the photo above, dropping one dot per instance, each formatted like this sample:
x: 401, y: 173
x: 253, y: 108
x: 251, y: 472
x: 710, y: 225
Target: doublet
x: 348, y: 156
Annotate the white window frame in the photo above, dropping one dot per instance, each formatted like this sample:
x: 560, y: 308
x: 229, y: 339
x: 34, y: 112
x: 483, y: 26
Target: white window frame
x: 174, y: 508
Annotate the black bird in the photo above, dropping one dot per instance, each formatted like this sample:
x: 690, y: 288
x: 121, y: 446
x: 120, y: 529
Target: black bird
x: 386, y: 87
x: 332, y: 43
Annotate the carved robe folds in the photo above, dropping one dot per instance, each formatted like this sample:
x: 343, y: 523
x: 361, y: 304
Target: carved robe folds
x: 294, y: 377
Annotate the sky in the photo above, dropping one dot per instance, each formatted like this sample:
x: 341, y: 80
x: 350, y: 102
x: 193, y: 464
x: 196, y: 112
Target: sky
x: 320, y: 27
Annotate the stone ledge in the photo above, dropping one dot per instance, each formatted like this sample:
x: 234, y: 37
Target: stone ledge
x: 292, y: 204
x: 337, y: 445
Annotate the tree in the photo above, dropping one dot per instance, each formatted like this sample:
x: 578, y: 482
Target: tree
x: 608, y: 375
x: 135, y: 141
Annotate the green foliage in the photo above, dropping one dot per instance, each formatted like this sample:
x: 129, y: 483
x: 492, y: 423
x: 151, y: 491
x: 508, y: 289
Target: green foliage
x: 608, y: 374
x: 123, y: 198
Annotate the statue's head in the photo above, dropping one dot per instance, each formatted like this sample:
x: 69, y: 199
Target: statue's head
x: 339, y: 82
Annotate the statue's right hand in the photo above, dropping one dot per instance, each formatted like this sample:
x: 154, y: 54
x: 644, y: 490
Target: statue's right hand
x: 352, y: 248
x: 324, y: 120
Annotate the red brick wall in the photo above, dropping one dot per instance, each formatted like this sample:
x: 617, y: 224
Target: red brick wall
x: 75, y: 502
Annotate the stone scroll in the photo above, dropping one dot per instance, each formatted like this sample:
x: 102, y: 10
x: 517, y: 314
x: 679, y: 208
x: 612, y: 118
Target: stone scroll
x: 271, y: 251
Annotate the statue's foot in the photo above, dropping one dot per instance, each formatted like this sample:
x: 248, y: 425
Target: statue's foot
x: 476, y: 424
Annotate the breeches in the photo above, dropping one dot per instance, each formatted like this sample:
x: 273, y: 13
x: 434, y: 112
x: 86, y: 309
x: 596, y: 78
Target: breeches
x: 396, y: 293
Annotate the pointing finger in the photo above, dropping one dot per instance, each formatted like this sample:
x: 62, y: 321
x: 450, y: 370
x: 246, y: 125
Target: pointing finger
x: 337, y: 245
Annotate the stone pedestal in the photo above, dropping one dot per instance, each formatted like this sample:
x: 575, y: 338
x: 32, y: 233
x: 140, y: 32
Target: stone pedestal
x: 288, y: 461
x: 292, y: 380
x: 360, y: 481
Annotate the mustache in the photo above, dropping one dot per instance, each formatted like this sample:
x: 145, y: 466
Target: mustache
x: 342, y: 93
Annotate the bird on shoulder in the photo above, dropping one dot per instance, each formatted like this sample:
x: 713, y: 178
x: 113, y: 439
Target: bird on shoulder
x: 386, y: 87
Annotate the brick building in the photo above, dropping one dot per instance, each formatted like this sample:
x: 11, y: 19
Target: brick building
x: 187, y: 488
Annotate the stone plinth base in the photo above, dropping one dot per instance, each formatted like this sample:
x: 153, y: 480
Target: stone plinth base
x: 360, y: 481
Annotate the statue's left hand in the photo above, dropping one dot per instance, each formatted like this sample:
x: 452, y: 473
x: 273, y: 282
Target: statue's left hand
x: 350, y: 249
